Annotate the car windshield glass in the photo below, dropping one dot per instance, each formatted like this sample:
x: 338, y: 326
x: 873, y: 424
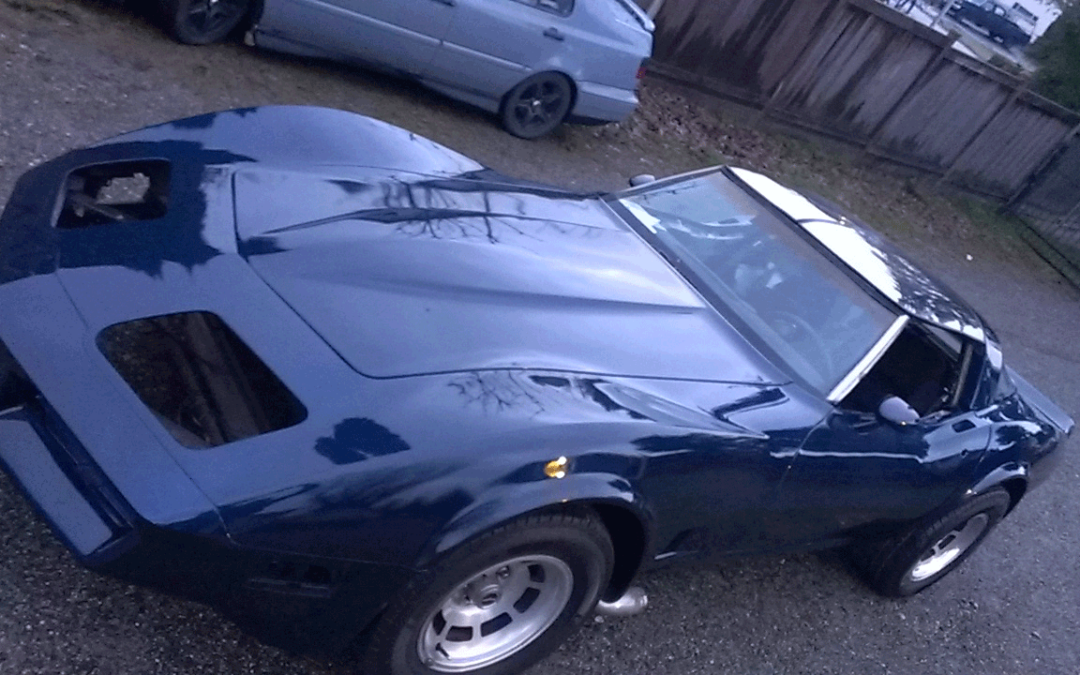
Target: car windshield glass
x: 808, y: 312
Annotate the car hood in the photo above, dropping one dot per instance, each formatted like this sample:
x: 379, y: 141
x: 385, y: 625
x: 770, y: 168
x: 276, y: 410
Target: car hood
x: 406, y: 274
x: 404, y: 256
x: 875, y: 260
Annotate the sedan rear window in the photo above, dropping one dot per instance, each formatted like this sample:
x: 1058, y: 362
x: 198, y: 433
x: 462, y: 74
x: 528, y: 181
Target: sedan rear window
x: 199, y: 378
x: 561, y: 7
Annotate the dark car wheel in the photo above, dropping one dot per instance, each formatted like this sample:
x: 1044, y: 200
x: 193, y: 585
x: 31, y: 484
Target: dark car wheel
x: 200, y: 22
x: 922, y: 555
x: 497, y: 604
x: 537, y: 105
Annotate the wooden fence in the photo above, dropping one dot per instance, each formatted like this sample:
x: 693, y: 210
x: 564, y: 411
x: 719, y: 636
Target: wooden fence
x: 862, y: 72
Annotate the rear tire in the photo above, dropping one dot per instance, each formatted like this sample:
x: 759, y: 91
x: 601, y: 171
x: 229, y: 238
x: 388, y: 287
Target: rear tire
x: 537, y: 105
x: 200, y: 22
x: 924, y: 553
x: 497, y: 604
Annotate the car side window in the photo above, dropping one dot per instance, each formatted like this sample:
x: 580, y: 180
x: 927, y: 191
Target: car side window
x: 926, y: 366
x: 203, y: 383
x: 560, y: 7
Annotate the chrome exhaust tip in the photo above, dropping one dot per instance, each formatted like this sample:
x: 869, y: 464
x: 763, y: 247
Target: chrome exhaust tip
x: 633, y: 602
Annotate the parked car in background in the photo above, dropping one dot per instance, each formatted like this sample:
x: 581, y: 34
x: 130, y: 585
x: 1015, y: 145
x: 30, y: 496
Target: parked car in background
x: 337, y: 379
x: 534, y: 63
x: 994, y: 19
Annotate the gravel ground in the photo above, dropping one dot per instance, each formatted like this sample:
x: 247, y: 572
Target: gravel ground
x: 75, y: 72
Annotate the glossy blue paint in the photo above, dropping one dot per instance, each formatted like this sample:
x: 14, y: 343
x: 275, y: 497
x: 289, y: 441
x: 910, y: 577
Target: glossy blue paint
x: 449, y: 331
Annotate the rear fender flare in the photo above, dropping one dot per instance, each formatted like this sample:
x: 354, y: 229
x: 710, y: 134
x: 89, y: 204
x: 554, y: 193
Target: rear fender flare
x: 504, y: 503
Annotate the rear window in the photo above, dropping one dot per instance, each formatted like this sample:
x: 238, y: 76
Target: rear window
x: 114, y: 193
x: 202, y: 382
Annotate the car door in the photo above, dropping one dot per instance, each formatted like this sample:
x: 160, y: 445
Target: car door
x: 494, y: 44
x: 401, y: 34
x: 857, y: 469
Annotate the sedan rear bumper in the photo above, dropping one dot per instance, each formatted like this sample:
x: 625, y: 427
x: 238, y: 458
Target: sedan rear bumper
x: 602, y: 103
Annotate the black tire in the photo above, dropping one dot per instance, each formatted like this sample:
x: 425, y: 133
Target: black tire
x: 537, y: 105
x: 923, y: 554
x: 422, y: 633
x: 201, y: 22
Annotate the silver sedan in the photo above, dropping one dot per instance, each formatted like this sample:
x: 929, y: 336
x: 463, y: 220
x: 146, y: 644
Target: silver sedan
x: 535, y: 63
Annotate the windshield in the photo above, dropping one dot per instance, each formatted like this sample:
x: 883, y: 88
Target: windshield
x: 765, y: 275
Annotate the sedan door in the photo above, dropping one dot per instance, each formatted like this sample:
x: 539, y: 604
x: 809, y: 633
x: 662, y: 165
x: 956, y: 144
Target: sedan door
x: 493, y: 45
x: 401, y: 34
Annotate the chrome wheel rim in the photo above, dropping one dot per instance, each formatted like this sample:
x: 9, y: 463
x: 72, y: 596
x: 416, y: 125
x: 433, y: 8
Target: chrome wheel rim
x: 495, y: 614
x: 948, y: 549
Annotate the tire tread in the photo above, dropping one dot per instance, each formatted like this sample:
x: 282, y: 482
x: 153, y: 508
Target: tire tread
x: 883, y: 564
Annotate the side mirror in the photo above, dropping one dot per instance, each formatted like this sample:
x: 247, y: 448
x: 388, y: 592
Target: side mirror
x: 642, y: 179
x: 898, y: 411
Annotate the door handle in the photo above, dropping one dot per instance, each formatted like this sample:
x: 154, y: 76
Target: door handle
x: 554, y: 34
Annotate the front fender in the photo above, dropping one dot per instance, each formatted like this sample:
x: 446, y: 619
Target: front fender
x: 1008, y: 476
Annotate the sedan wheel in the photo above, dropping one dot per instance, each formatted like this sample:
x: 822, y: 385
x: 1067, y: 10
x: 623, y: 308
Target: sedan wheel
x: 200, y: 22
x: 537, y: 105
x: 498, y: 604
x: 923, y: 554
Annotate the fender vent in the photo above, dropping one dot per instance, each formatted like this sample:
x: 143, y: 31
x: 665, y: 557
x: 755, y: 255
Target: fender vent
x: 294, y: 579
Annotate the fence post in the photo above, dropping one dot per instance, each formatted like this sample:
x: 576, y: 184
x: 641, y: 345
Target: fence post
x: 1018, y: 89
x: 1037, y: 172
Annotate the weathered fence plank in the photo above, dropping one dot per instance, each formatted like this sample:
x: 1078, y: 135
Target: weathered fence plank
x: 858, y: 70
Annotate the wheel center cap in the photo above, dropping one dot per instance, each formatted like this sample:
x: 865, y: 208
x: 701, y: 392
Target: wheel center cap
x: 486, y: 596
x: 483, y: 593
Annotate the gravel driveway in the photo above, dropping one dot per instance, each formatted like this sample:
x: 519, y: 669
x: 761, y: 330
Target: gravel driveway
x: 73, y: 72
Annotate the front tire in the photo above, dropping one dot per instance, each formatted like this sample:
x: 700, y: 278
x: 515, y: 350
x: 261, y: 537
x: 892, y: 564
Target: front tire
x: 537, y: 105
x: 200, y: 22
x: 498, y: 604
x: 922, y: 555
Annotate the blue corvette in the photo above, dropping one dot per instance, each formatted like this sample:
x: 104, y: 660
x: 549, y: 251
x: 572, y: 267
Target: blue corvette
x: 352, y: 387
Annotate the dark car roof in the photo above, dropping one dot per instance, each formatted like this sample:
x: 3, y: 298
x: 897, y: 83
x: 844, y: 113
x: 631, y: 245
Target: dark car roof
x: 404, y: 256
